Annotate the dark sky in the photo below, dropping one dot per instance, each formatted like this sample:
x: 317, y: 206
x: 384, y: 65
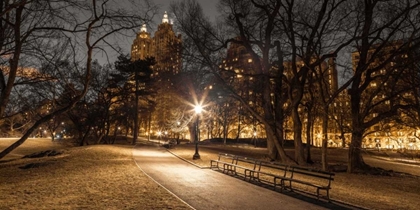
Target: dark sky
x: 209, y: 6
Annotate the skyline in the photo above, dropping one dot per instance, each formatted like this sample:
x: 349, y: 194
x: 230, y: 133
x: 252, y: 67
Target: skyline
x: 209, y: 9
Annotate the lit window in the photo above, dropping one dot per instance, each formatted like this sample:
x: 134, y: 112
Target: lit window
x: 250, y: 60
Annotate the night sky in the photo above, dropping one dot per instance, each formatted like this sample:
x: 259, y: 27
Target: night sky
x: 209, y: 8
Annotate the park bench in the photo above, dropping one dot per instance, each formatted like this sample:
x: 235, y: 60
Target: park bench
x: 233, y: 164
x: 274, y: 173
x: 319, y: 179
x: 223, y: 159
x: 169, y: 144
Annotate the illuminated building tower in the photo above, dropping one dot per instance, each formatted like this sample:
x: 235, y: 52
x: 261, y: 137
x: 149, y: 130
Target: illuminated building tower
x: 167, y: 48
x: 164, y: 46
x: 142, y: 45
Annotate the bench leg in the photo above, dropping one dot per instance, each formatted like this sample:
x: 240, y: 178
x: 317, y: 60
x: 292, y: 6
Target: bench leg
x: 290, y: 185
x: 328, y: 195
x: 283, y: 184
x: 275, y: 184
x: 250, y: 172
x: 327, y: 191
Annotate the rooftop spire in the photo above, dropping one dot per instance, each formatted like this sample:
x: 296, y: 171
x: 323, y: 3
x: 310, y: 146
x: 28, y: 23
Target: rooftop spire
x: 143, y: 28
x: 165, y: 18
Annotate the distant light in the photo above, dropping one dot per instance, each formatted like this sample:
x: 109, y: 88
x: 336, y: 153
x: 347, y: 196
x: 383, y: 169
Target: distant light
x: 198, y: 109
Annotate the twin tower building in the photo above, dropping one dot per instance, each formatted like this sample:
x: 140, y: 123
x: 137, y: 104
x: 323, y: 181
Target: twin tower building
x: 165, y: 46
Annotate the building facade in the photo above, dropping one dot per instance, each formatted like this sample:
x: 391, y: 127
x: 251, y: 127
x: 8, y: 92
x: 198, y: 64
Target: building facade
x: 389, y: 72
x: 164, y: 46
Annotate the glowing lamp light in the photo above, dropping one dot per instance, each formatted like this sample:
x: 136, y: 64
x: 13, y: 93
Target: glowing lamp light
x: 198, y: 109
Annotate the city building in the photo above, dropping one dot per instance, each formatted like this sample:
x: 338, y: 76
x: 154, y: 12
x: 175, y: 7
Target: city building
x: 142, y: 46
x: 389, y: 73
x: 164, y: 46
x: 238, y: 68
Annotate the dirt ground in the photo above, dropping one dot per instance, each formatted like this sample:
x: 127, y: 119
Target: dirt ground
x: 106, y: 177
x: 90, y: 177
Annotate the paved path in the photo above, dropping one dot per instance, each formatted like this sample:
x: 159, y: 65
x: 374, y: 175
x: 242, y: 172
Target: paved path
x: 208, y: 189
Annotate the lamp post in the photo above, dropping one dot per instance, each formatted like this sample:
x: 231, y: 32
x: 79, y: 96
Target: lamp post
x: 159, y: 134
x: 197, y: 110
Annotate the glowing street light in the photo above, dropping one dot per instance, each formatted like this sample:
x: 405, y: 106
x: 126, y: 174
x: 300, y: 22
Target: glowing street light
x: 198, y: 109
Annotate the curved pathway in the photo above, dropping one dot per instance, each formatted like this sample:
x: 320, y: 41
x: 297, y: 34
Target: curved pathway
x: 208, y: 189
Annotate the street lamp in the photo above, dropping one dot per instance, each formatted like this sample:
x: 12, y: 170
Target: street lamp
x: 159, y: 133
x: 197, y: 109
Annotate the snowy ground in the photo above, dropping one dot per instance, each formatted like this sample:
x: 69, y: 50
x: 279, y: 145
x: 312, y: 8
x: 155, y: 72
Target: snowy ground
x: 106, y: 177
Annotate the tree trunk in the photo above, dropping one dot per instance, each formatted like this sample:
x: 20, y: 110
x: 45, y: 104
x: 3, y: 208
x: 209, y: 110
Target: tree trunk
x: 324, y: 145
x: 136, y: 111
x: 271, y: 147
x: 309, y: 126
x: 274, y: 146
x: 13, y: 62
x: 355, y: 158
x: 83, y: 140
x: 225, y: 129
x: 297, y: 129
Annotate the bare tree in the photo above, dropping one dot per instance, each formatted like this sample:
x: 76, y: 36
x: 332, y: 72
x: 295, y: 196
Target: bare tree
x: 243, y: 19
x: 86, y: 24
x: 388, y: 32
